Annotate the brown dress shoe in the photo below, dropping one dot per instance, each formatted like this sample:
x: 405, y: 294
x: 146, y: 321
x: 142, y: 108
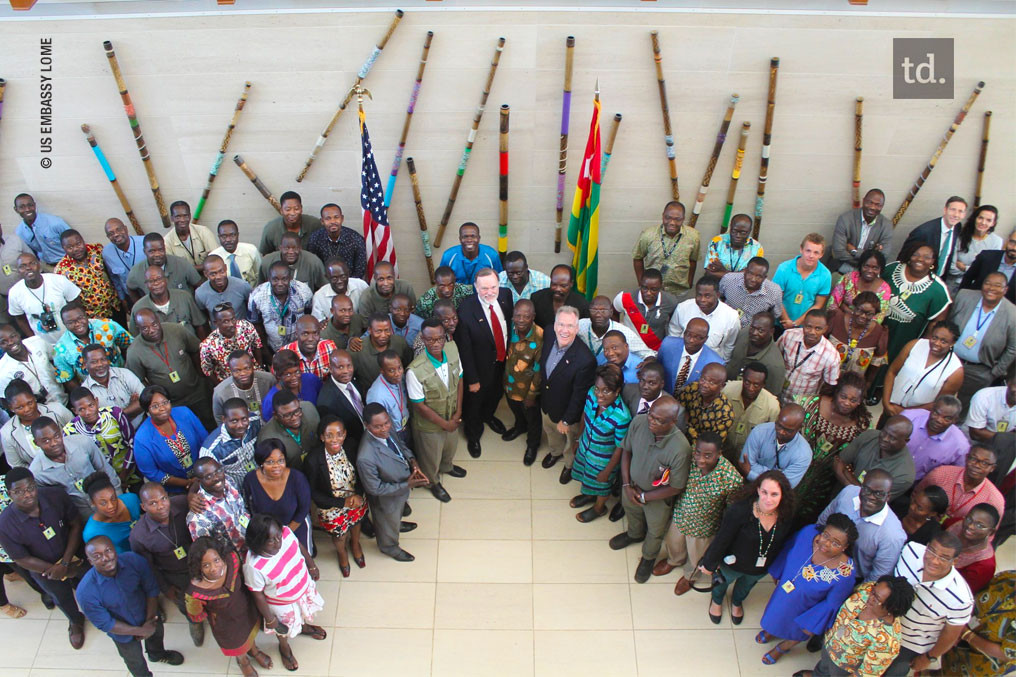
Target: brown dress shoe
x: 662, y: 568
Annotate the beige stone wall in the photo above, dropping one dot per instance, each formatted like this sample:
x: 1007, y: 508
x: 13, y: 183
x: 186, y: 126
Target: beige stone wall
x: 186, y: 73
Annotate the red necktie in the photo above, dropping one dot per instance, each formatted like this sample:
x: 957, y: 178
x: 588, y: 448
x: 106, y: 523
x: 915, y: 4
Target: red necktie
x: 495, y: 326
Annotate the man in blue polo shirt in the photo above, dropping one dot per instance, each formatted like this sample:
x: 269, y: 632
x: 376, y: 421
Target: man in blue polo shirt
x: 805, y: 281
x: 469, y: 255
x: 120, y: 596
x: 40, y: 231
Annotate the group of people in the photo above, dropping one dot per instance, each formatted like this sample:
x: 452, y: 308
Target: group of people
x: 183, y: 411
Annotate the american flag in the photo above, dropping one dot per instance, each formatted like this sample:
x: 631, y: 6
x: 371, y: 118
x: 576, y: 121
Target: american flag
x: 376, y: 232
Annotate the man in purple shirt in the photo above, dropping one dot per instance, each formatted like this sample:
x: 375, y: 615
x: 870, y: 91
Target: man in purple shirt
x: 936, y: 439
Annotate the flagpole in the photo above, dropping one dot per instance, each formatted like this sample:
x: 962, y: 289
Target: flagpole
x: 583, y: 224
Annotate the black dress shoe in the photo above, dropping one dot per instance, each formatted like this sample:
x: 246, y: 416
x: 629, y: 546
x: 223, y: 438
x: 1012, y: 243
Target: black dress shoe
x: 623, y: 540
x: 511, y: 434
x: 440, y: 493
x: 617, y: 512
x: 530, y: 456
x: 457, y: 471
x: 549, y: 460
x: 496, y: 426
x: 405, y: 527
x: 474, y: 448
x: 644, y: 570
x: 407, y: 510
x: 48, y: 602
x: 565, y: 477
x: 402, y: 556
x: 815, y: 643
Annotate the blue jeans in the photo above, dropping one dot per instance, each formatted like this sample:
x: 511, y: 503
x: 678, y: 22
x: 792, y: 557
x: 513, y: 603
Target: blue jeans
x: 743, y: 583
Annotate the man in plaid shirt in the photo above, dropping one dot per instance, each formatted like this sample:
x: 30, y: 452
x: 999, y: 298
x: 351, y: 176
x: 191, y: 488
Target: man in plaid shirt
x: 313, y: 352
x: 810, y: 358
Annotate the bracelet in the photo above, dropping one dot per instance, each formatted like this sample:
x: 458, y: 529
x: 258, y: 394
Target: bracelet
x: 966, y: 634
x: 626, y: 485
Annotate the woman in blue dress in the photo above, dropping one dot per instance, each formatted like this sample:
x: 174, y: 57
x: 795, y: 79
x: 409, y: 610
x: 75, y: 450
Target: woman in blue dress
x: 275, y: 489
x: 167, y: 443
x: 814, y: 575
x: 114, y: 515
x: 605, y: 422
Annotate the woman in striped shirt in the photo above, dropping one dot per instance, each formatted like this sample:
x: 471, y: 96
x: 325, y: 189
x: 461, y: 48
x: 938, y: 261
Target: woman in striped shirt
x: 281, y: 573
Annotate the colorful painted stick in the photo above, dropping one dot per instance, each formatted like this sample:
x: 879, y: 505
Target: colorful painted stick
x: 409, y: 117
x: 249, y: 173
x: 469, y: 143
x: 139, y: 139
x: 668, y: 134
x: 428, y: 253
x: 608, y: 148
x: 735, y: 174
x: 217, y: 162
x: 562, y: 162
x: 858, y: 117
x: 3, y: 86
x: 360, y: 76
x: 717, y: 147
x: 980, y: 161
x: 108, y: 171
x: 767, y: 139
x: 957, y: 121
x: 502, y: 185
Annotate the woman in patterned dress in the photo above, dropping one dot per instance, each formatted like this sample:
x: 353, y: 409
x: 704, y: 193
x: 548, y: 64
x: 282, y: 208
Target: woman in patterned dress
x: 831, y: 422
x: 919, y: 296
x: 332, y: 477
x: 814, y: 575
x: 109, y: 428
x: 989, y: 649
x: 865, y: 278
x: 859, y: 339
x: 605, y: 422
x: 168, y: 442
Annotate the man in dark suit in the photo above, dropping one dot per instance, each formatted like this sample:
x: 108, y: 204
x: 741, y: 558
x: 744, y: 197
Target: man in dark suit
x: 388, y: 471
x: 339, y: 397
x: 987, y: 343
x: 569, y: 370
x: 940, y: 234
x: 560, y: 293
x: 482, y: 339
x: 858, y: 230
x: 994, y: 261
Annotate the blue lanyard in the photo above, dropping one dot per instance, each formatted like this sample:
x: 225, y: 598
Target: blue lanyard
x: 981, y: 323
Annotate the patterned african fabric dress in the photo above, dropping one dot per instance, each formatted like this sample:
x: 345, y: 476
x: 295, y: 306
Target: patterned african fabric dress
x: 826, y: 440
x: 862, y: 648
x: 337, y: 521
x: 912, y: 306
x: 286, y: 583
x: 808, y: 594
x: 98, y: 297
x: 114, y: 435
x: 995, y: 610
x: 846, y: 290
x: 230, y: 610
x: 858, y: 350
x: 602, y: 433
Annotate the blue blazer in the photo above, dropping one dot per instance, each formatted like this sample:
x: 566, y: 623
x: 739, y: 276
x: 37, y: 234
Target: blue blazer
x: 670, y: 355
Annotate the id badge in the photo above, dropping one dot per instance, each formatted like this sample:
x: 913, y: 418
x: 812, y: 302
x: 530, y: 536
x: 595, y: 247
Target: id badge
x: 970, y: 341
x: 786, y: 383
x: 282, y: 330
x: 1001, y: 426
x: 186, y: 462
x: 249, y: 465
x: 760, y: 562
x: 80, y: 485
x: 788, y: 587
x: 253, y: 406
x: 739, y: 429
x: 48, y: 533
x: 7, y: 270
x: 799, y: 299
x: 180, y: 553
x: 174, y: 376
x: 244, y: 521
x: 860, y: 478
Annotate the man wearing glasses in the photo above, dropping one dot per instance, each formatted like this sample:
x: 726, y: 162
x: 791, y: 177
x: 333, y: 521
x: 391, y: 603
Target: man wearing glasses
x: 987, y: 343
x: 967, y: 484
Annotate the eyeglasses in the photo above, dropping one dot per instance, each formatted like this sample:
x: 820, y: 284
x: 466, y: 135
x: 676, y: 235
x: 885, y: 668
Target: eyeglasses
x: 874, y: 493
x: 940, y: 557
x: 977, y: 525
x: 980, y: 462
x: 225, y: 305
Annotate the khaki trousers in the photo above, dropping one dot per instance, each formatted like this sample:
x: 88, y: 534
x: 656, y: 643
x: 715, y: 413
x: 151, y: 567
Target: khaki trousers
x: 648, y: 521
x: 561, y: 444
x: 435, y: 452
x: 684, y: 550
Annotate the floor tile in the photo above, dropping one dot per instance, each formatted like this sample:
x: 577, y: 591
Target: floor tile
x: 426, y: 514
x: 484, y: 606
x: 385, y: 605
x: 545, y: 481
x: 20, y: 644
x: 465, y: 518
x: 493, y: 479
x: 749, y: 656
x: 567, y: 653
x: 714, y: 652
x: 555, y: 520
x: 485, y: 562
x: 506, y: 653
x: 577, y: 562
x: 371, y: 651
x: 581, y: 606
x: 381, y: 567
x: 655, y: 607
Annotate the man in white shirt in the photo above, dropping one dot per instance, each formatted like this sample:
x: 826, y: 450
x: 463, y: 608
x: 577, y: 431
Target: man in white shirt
x: 29, y: 360
x: 723, y: 320
x: 339, y: 282
x: 592, y: 329
x: 242, y: 259
x: 992, y: 410
x: 112, y: 386
x: 36, y: 300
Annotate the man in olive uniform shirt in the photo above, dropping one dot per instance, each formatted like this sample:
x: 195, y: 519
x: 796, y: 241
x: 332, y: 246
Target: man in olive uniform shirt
x: 671, y: 248
x: 752, y: 404
x: 303, y: 265
x: 653, y: 443
x: 167, y: 355
x: 172, y: 306
x: 344, y: 323
x: 293, y: 220
x: 11, y: 248
x: 295, y: 424
x: 380, y: 338
x: 755, y: 343
x: 180, y: 273
x: 378, y: 297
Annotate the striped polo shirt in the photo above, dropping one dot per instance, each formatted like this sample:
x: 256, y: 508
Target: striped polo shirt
x: 947, y: 600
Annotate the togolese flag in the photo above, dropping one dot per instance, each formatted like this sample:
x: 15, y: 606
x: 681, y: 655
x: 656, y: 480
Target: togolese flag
x: 584, y: 224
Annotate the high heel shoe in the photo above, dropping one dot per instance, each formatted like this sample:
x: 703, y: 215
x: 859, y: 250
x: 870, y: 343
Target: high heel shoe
x: 359, y: 561
x: 344, y: 568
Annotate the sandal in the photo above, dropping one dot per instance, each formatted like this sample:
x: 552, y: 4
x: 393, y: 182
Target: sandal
x: 314, y: 632
x: 289, y: 662
x: 763, y: 637
x: 589, y: 514
x: 263, y: 659
x: 581, y: 500
x: 13, y: 611
x: 774, y: 655
x: 247, y: 670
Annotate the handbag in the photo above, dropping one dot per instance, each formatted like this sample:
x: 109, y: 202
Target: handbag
x: 684, y: 584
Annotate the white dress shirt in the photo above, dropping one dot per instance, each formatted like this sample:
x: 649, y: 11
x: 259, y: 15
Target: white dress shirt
x: 495, y: 307
x: 724, y: 323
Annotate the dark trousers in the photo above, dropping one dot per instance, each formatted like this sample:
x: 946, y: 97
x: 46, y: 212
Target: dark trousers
x: 826, y: 668
x: 480, y: 406
x: 528, y: 419
x: 743, y: 583
x: 901, y: 666
x: 134, y: 657
x: 62, y: 593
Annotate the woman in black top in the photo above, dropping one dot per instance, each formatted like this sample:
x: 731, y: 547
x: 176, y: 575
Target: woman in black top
x: 924, y: 519
x: 754, y: 527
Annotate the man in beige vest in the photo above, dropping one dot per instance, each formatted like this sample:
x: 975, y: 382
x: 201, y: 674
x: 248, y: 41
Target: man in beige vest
x: 434, y: 386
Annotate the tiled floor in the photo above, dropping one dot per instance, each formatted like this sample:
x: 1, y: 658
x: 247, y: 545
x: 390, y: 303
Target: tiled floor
x: 505, y: 583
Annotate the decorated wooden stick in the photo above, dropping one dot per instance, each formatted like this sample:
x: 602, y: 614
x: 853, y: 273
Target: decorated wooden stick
x: 957, y: 121
x: 3, y: 86
x: 717, y: 147
x: 409, y: 118
x: 502, y: 185
x: 767, y: 138
x: 139, y: 139
x: 469, y: 143
x: 108, y: 171
x: 360, y: 76
x: 608, y: 148
x: 428, y: 253
x: 562, y: 162
x: 980, y: 161
x: 858, y: 116
x: 249, y: 173
x: 735, y: 174
x: 668, y: 134
x: 217, y: 162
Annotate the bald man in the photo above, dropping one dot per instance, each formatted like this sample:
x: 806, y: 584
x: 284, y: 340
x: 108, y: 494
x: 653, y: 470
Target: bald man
x: 778, y: 446
x: 313, y: 351
x: 684, y: 358
x: 884, y: 449
x: 378, y: 297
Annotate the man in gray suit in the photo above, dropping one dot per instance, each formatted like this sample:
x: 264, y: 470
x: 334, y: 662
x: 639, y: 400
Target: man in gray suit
x: 987, y: 343
x: 860, y: 229
x: 388, y: 471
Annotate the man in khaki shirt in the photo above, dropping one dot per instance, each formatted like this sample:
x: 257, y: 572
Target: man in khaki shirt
x: 752, y: 404
x: 671, y: 247
x: 190, y: 241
